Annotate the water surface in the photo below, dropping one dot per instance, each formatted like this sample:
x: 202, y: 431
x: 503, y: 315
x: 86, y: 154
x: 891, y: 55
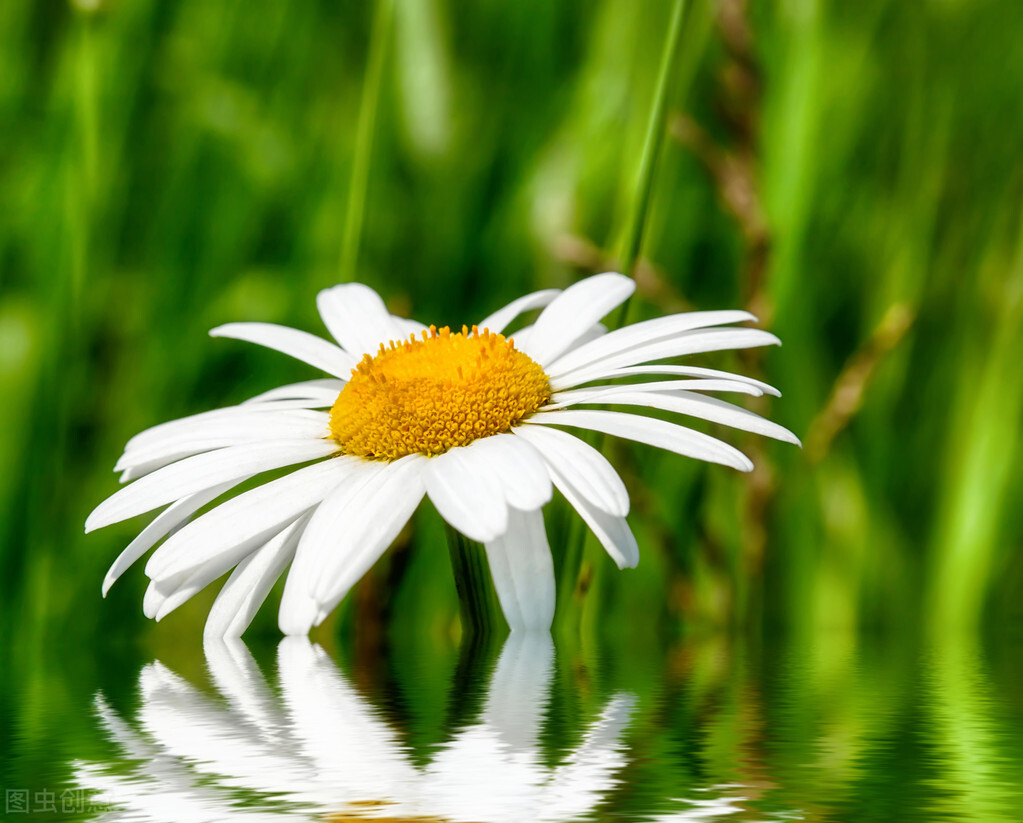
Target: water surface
x: 716, y: 728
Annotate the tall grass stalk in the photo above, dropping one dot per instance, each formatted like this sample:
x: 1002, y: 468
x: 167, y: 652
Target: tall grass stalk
x: 632, y: 245
x: 380, y: 36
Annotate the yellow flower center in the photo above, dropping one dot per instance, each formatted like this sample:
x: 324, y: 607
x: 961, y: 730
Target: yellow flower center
x: 433, y: 394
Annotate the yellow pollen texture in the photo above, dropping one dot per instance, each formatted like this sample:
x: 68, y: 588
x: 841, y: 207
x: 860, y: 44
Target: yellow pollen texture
x: 431, y: 394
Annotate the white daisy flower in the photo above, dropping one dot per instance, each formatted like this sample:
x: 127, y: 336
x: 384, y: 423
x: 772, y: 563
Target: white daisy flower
x: 472, y: 419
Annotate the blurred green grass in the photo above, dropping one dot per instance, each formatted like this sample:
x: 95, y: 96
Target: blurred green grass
x: 851, y: 171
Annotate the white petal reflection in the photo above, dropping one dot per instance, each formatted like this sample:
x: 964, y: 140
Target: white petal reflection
x: 312, y: 746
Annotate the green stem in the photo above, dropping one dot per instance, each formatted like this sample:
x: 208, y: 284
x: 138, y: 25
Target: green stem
x: 632, y: 242
x: 379, y: 38
x: 480, y: 609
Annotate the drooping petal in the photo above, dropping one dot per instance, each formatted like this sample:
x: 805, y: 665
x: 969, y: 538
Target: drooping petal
x: 467, y: 494
x: 573, y: 313
x: 357, y: 318
x: 194, y: 474
x: 360, y: 527
x: 298, y: 344
x: 168, y: 520
x: 317, y: 393
x: 499, y: 320
x: 690, y: 342
x: 588, y: 471
x: 523, y: 571
x: 174, y: 590
x: 250, y: 583
x: 261, y: 511
x: 299, y: 609
x: 636, y: 334
x: 653, y: 432
x: 611, y: 530
x: 518, y: 467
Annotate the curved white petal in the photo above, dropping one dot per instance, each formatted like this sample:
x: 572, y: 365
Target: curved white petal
x: 606, y: 394
x: 647, y: 331
x: 168, y: 520
x: 357, y: 318
x: 696, y: 405
x: 295, y: 343
x: 317, y: 393
x: 523, y: 572
x: 518, y: 466
x: 586, y: 469
x: 690, y: 342
x: 176, y: 442
x: 174, y: 590
x: 653, y: 432
x: 499, y: 320
x: 573, y: 313
x: 611, y: 530
x: 359, y: 525
x: 467, y: 494
x: 194, y: 474
x: 299, y: 609
x: 685, y: 371
x: 258, y: 512
x: 249, y: 584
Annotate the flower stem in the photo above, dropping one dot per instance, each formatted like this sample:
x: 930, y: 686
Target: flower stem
x: 480, y: 610
x: 379, y: 38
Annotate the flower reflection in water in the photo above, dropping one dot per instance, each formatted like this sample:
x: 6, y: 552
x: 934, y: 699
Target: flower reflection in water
x: 321, y: 750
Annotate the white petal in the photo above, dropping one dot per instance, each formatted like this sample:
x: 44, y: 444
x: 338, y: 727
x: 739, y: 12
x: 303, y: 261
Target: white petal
x: 188, y: 438
x: 651, y: 431
x: 168, y: 520
x: 249, y: 584
x: 606, y: 394
x: 357, y: 318
x: 687, y: 371
x: 523, y: 572
x: 257, y: 513
x: 195, y: 422
x: 706, y: 408
x: 518, y: 466
x: 612, y: 531
x: 318, y: 393
x: 499, y: 320
x: 299, y: 609
x: 194, y: 474
x: 174, y: 590
x: 295, y: 343
x: 641, y: 333
x: 573, y: 313
x: 467, y: 494
x: 690, y: 342
x: 360, y: 527
x: 407, y: 328
x: 587, y: 469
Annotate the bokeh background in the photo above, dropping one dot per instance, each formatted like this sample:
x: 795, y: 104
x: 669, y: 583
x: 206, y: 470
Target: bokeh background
x: 852, y: 172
